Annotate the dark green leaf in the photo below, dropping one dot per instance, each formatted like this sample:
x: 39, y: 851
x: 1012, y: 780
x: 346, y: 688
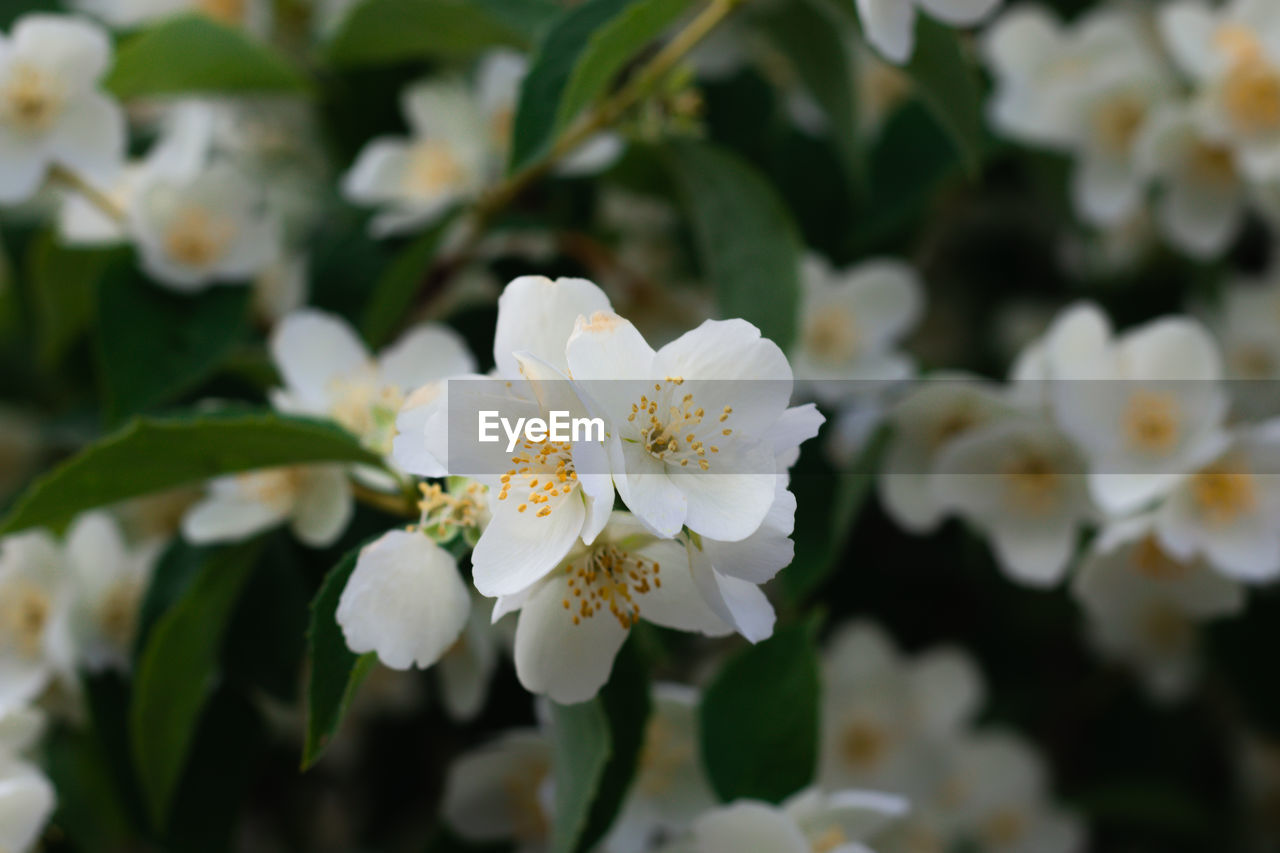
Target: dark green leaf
x: 62, y: 282
x: 609, y: 50
x: 154, y: 454
x: 176, y: 672
x: 154, y: 344
x: 192, y: 53
x: 748, y: 243
x: 335, y: 672
x: 815, y: 44
x: 549, y: 72
x: 176, y: 570
x: 946, y: 81
x: 580, y: 753
x: 759, y: 719
x: 378, y: 31
x: 393, y: 294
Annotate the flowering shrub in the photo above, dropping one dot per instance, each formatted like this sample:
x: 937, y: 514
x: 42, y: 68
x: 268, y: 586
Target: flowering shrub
x: 638, y: 426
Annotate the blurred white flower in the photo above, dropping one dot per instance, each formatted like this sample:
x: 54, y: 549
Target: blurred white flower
x: 850, y: 324
x: 881, y: 88
x: 19, y: 449
x: 448, y: 158
x: 315, y: 500
x: 890, y: 25
x: 405, y: 601
x: 280, y: 288
x: 884, y: 717
x: 573, y: 622
x: 253, y: 15
x: 51, y: 110
x: 194, y: 232
x: 37, y: 646
x: 670, y: 788
x: 502, y: 792
x: 26, y: 804
x: 20, y: 728
x: 1022, y: 482
x: 1248, y: 328
x: 466, y: 667
x: 1144, y: 605
x: 109, y: 577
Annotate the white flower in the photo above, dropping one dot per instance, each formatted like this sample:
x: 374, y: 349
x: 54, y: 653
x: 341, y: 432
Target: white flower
x: 447, y: 159
x: 1202, y: 204
x: 280, y: 288
x: 850, y: 322
x: 405, y: 600
x: 1021, y: 481
x: 466, y: 667
x: 1143, y: 604
x: 890, y: 25
x: 315, y: 500
x: 689, y: 425
x: 1229, y: 510
x: 1233, y: 56
x: 1248, y: 327
x: 923, y: 424
x: 328, y: 371
x: 110, y: 578
x: 36, y: 644
x: 20, y: 728
x: 884, y: 717
x: 573, y: 622
x: 194, y: 232
x: 51, y: 110
x: 670, y: 789
x: 810, y: 821
x: 26, y: 804
x: 1155, y: 416
x: 1075, y: 347
x: 253, y: 15
x: 502, y: 791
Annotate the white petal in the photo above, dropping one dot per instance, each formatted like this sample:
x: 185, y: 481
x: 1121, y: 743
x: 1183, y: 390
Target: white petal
x: 537, y: 315
x: 423, y: 354
x: 323, y: 508
x: 518, y: 548
x: 1188, y: 30
x: 764, y: 553
x: 405, y: 600
x: 378, y: 173
x: 1202, y: 223
x: 489, y: 792
x: 677, y: 603
x: 77, y: 50
x: 26, y: 804
x: 748, y: 826
x: 22, y: 165
x: 90, y: 138
x: 890, y: 27
x: 948, y: 688
x: 568, y: 663
x: 1106, y: 190
x: 959, y: 13
x: 227, y: 519
x: 311, y: 349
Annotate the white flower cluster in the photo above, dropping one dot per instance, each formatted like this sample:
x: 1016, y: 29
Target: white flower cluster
x: 1185, y: 107
x: 64, y: 607
x: 890, y: 25
x: 1131, y: 433
x: 703, y: 477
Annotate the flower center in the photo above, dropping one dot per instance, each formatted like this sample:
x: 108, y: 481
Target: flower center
x: 1237, y: 42
x: 670, y: 432
x: 952, y: 425
x: 1166, y: 628
x: 545, y: 469
x: 226, y: 11
x: 197, y: 238
x: 442, y: 513
x: 1152, y: 422
x: 1151, y: 561
x: 1224, y: 495
x: 863, y: 744
x: 366, y: 408
x: 1212, y: 165
x: 1254, y: 361
x: 1251, y: 93
x: 521, y: 786
x: 433, y: 168
x: 1116, y: 123
x: 500, y: 125
x: 832, y: 335
x: 1004, y: 827
x: 277, y: 487
x: 610, y: 578
x: 665, y: 756
x: 118, y: 613
x: 831, y: 838
x: 31, y: 99
x: 23, y: 616
x: 882, y: 87
x: 1032, y: 484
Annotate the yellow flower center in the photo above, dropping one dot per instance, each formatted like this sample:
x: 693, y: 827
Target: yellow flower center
x: 276, y: 487
x: 610, y: 578
x: 520, y: 786
x: 1251, y: 96
x: 1238, y: 42
x: 832, y: 335
x: 1152, y: 422
x: 1032, y: 484
x: 442, y: 512
x: 1004, y: 827
x: 829, y: 839
x: 672, y: 428
x: 1212, y: 165
x: 1117, y: 121
x: 1254, y: 361
x: 544, y: 470
x: 864, y: 744
x: 433, y: 169
x: 31, y: 99
x: 226, y: 11
x: 366, y: 408
x: 118, y: 613
x: 1151, y: 561
x: 198, y: 238
x: 1223, y: 494
x: 24, y: 613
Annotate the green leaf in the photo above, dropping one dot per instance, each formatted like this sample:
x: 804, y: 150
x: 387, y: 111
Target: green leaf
x: 759, y: 719
x: 154, y: 454
x: 335, y: 672
x: 393, y: 294
x: 746, y: 238
x: 62, y: 281
x: 191, y: 53
x: 819, y: 52
x: 154, y: 345
x: 580, y: 753
x: 609, y: 50
x: 383, y: 31
x: 549, y: 71
x: 177, y: 671
x: 948, y: 84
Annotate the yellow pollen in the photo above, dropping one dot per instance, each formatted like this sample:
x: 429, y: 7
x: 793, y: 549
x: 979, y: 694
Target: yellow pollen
x: 1004, y: 827
x: 1238, y: 42
x: 1117, y: 121
x: 864, y: 744
x: 669, y: 424
x: 366, y: 408
x: 1032, y: 484
x: 1251, y: 95
x: 441, y: 512
x: 433, y: 169
x: 611, y: 579
x: 31, y: 99
x: 1224, y: 495
x: 1151, y: 561
x: 830, y: 839
x: 1211, y: 165
x: 198, y: 238
x: 1152, y: 422
x: 24, y: 613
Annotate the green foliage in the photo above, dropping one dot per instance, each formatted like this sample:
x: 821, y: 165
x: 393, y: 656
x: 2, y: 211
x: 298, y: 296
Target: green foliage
x: 176, y: 671
x: 334, y: 672
x: 391, y: 299
x: 748, y: 244
x: 154, y: 454
x: 192, y: 54
x: 381, y: 31
x: 759, y: 718
x: 948, y: 84
x: 63, y: 282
